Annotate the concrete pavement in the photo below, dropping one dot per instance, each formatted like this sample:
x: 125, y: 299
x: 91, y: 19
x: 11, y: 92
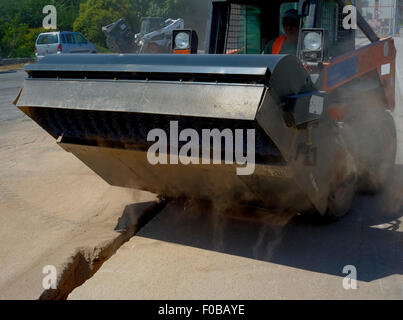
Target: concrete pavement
x: 190, y: 252
x: 53, y: 209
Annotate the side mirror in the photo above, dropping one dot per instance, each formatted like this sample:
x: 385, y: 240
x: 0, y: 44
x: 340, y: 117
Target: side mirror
x: 184, y: 42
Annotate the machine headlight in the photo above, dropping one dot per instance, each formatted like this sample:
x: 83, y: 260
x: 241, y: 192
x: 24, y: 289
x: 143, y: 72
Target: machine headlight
x: 313, y: 41
x: 182, y: 41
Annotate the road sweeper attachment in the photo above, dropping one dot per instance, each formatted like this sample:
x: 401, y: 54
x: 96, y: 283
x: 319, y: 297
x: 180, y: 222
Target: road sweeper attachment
x: 104, y: 109
x: 233, y: 125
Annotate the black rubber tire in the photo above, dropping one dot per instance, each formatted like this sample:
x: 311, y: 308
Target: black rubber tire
x: 341, y: 193
x: 340, y: 201
x: 376, y: 137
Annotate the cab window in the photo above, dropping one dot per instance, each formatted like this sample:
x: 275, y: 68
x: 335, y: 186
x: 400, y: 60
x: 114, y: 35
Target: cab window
x: 248, y: 28
x: 243, y: 30
x: 329, y: 21
x: 283, y: 9
x: 339, y: 40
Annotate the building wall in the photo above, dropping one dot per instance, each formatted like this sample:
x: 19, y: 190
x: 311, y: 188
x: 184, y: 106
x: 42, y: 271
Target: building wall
x: 382, y: 15
x: 400, y: 12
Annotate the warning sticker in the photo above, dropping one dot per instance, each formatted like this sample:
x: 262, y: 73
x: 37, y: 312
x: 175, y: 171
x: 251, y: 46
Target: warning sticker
x: 385, y: 69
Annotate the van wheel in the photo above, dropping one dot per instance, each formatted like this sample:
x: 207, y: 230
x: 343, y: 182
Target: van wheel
x: 375, y: 132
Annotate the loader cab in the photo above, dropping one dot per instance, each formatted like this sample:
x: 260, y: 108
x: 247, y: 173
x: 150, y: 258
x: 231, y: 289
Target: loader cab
x: 149, y: 24
x: 245, y: 27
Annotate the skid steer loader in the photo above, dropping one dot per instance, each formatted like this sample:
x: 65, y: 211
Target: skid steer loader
x: 154, y: 36
x: 317, y: 125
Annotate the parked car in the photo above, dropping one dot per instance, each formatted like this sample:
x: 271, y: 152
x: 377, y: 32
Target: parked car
x: 62, y: 42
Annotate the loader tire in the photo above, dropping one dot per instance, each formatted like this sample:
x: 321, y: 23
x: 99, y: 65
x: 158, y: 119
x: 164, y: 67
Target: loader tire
x: 340, y: 201
x: 344, y: 176
x: 377, y: 146
x: 343, y: 182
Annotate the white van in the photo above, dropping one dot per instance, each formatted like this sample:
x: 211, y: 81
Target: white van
x: 62, y: 42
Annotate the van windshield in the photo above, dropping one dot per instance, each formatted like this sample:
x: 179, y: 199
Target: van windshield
x: 48, y: 39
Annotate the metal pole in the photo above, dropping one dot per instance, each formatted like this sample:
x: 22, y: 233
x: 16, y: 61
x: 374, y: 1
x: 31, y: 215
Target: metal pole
x: 395, y: 18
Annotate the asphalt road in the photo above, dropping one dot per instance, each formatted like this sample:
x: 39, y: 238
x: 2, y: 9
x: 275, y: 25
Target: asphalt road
x: 10, y: 84
x: 51, y: 206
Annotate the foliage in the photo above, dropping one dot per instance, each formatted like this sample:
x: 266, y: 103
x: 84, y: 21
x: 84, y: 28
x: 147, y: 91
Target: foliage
x: 18, y: 41
x: 21, y: 20
x: 94, y: 14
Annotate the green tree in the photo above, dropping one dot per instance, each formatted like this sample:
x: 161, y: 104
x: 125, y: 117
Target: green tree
x: 67, y: 13
x: 21, y: 22
x: 30, y: 11
x: 12, y: 40
x: 94, y: 14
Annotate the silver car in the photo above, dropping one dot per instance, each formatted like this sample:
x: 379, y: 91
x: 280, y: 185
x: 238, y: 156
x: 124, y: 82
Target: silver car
x: 62, y: 42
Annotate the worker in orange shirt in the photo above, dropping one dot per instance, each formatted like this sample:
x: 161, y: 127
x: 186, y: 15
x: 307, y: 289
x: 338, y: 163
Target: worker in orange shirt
x: 288, y: 42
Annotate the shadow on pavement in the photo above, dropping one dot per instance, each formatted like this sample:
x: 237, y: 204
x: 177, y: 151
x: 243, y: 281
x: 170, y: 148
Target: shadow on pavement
x: 138, y: 214
x: 370, y: 237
